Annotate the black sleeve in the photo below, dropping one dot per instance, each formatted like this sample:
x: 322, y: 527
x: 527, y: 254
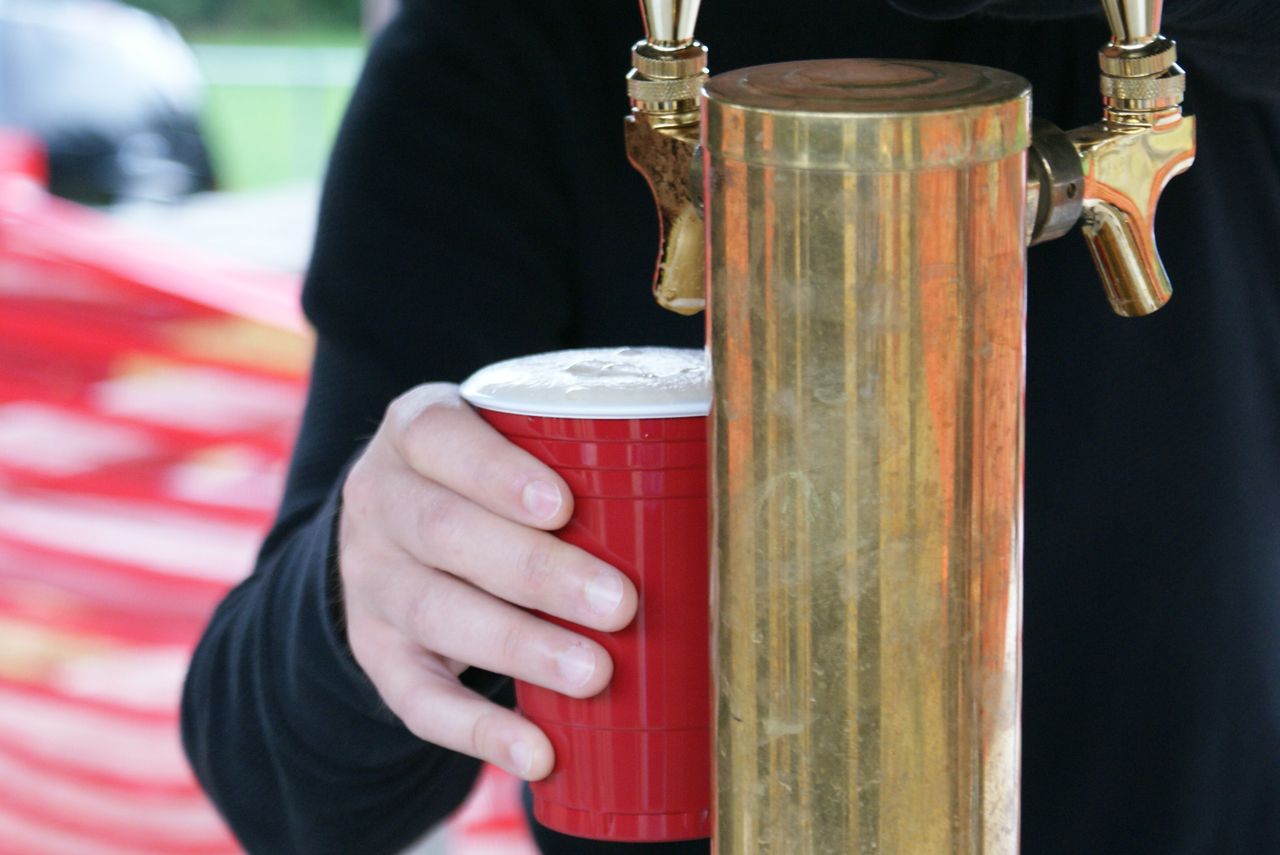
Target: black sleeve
x: 438, y: 250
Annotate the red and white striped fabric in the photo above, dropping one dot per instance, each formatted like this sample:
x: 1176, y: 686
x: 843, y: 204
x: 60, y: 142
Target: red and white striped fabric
x: 148, y: 399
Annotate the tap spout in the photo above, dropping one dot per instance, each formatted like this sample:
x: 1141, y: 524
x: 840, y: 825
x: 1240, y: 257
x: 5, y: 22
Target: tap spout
x: 1125, y: 160
x: 665, y: 82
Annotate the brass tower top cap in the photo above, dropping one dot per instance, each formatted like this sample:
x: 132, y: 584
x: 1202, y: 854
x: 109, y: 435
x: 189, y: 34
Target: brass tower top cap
x: 867, y: 115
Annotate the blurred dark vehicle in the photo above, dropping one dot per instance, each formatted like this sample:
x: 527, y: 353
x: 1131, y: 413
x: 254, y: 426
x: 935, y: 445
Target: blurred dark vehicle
x: 113, y: 92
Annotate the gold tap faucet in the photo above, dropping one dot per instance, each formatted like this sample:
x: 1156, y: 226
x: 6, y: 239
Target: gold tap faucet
x: 668, y: 70
x: 1108, y: 175
x: 1123, y: 162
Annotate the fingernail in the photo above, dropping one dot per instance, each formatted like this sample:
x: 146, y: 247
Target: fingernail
x: 541, y: 499
x: 604, y: 593
x: 521, y: 758
x: 576, y: 664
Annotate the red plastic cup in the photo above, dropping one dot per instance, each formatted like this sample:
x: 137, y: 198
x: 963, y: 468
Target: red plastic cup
x: 634, y: 762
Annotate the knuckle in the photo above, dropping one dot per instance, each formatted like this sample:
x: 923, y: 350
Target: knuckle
x: 417, y: 707
x: 400, y: 412
x: 481, y: 739
x: 424, y: 618
x: 359, y: 489
x: 360, y: 541
x: 513, y: 644
x: 420, y: 412
x: 497, y: 475
x: 536, y: 567
x: 435, y: 513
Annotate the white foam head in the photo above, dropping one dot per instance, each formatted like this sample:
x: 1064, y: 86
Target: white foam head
x: 597, y: 383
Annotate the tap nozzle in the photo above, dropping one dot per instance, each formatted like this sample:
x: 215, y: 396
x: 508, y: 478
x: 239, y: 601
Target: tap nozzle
x: 664, y: 85
x: 1110, y: 174
x: 1126, y: 159
x: 1133, y: 22
x: 669, y: 23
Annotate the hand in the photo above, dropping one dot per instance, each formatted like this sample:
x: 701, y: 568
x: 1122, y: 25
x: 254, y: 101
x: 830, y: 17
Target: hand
x: 443, y: 537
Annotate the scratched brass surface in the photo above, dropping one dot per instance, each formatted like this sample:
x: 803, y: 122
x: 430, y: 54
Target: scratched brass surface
x: 866, y: 252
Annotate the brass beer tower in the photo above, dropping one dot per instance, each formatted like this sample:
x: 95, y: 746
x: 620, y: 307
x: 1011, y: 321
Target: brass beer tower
x: 865, y: 225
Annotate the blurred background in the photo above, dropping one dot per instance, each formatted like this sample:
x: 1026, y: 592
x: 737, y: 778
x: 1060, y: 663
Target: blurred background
x: 141, y: 107
x: 159, y: 174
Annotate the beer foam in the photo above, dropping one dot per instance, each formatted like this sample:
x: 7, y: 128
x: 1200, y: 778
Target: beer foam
x: 596, y: 383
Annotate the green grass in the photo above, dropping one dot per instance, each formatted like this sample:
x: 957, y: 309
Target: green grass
x: 262, y: 136
x: 263, y: 131
x: 318, y: 37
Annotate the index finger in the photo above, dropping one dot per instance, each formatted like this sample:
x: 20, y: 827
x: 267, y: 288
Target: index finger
x: 441, y: 438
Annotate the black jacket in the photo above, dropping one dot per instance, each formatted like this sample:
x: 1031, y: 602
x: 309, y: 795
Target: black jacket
x: 479, y: 206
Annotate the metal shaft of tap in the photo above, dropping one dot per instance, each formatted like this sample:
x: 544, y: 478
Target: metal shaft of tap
x: 669, y: 23
x: 1133, y: 22
x: 866, y: 252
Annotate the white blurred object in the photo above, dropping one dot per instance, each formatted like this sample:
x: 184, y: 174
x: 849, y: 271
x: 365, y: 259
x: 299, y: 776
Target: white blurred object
x: 374, y: 14
x: 170, y: 542
x: 272, y: 228
x: 54, y: 441
x: 112, y: 91
x: 197, y: 398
